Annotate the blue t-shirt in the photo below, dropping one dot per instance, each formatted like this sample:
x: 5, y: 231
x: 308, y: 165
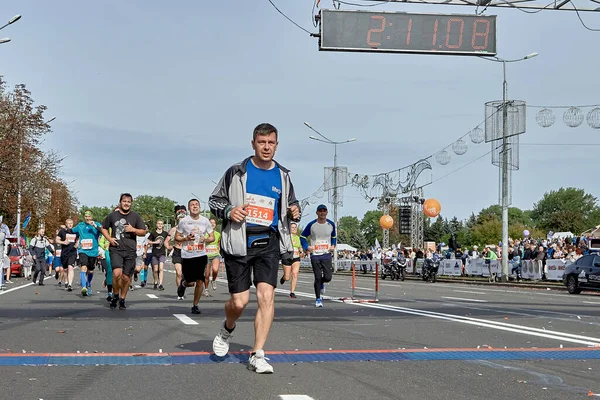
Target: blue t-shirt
x: 88, y: 238
x: 263, y: 188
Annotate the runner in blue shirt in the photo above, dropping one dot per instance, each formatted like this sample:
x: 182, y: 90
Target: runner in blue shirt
x: 89, y: 232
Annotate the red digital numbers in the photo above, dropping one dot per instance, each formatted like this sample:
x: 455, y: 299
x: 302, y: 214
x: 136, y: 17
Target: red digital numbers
x: 375, y: 30
x: 460, y: 36
x: 480, y: 34
x: 452, y: 39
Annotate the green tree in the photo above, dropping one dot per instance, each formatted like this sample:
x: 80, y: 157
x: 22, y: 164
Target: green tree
x: 152, y: 208
x: 347, y: 229
x: 435, y: 232
x: 564, y: 210
x: 369, y: 225
x: 488, y: 231
x: 515, y: 214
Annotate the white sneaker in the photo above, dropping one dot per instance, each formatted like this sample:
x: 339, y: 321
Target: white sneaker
x: 319, y: 303
x: 259, y: 364
x: 221, y: 341
x: 214, y: 285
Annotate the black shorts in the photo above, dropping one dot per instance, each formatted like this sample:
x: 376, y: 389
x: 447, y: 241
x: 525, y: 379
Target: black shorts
x: 68, y: 259
x: 193, y: 269
x: 176, y: 257
x: 89, y: 262
x: 148, y: 259
x: 261, y: 262
x: 124, y: 261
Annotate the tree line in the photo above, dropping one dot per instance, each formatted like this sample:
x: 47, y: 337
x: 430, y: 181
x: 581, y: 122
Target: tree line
x: 563, y: 210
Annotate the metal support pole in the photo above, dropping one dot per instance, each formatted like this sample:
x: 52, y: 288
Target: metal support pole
x: 353, y: 280
x: 504, y: 167
x: 376, y: 281
x: 386, y: 232
x: 335, y: 205
x: 19, y: 177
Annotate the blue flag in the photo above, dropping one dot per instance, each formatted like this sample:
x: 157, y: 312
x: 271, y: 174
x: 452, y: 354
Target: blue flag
x: 27, y: 219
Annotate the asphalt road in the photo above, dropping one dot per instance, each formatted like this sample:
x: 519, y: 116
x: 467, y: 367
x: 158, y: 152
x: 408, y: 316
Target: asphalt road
x: 420, y: 341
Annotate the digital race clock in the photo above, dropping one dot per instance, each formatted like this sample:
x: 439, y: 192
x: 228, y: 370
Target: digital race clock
x: 400, y: 32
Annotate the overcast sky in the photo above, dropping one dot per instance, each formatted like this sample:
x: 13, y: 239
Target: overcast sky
x: 160, y: 98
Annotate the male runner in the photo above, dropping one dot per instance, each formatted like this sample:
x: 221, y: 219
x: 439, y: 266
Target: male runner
x: 69, y: 240
x: 193, y: 232
x: 180, y: 213
x: 146, y: 254
x: 159, y: 255
x: 58, y: 267
x: 89, y: 232
x: 292, y: 265
x: 255, y: 199
x: 321, y: 234
x: 38, y: 246
x: 126, y: 225
x: 214, y: 257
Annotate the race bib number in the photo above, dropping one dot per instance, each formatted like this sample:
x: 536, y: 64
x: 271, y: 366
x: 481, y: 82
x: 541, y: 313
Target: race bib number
x: 321, y: 246
x: 296, y: 253
x: 211, y: 248
x: 71, y: 237
x: 86, y: 244
x: 57, y: 253
x: 195, y: 246
x: 261, y: 209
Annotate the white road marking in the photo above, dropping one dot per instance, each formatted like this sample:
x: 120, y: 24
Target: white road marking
x: 590, y: 302
x: 461, y: 299
x: 20, y: 287
x: 525, y: 330
x: 295, y: 397
x: 363, y: 288
x: 468, y: 291
x: 185, y: 319
x: 152, y: 296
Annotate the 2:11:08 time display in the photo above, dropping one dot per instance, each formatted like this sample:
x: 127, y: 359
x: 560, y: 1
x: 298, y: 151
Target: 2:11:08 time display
x: 408, y: 33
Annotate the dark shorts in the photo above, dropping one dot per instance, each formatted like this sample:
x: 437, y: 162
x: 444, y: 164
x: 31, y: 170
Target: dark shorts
x: 176, y: 257
x: 193, y: 268
x: 289, y: 261
x: 68, y: 259
x: 89, y: 262
x: 148, y: 259
x: 160, y: 259
x: 260, y: 262
x: 124, y: 261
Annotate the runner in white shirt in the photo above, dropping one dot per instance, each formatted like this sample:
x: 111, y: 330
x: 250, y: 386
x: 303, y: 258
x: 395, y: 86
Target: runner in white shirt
x: 193, y: 232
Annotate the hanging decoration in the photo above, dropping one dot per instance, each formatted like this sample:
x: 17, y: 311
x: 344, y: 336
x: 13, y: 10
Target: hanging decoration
x: 573, y: 117
x: 593, y: 118
x: 477, y: 135
x: 443, y: 157
x: 459, y: 147
x: 545, y: 117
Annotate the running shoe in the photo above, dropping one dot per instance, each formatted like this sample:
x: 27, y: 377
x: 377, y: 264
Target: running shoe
x: 258, y: 363
x: 221, y: 341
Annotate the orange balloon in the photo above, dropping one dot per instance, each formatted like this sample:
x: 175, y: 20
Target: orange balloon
x: 432, y: 208
x: 386, y: 222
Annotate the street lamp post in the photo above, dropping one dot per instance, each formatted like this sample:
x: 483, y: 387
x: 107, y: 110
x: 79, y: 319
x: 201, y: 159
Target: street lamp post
x: 10, y: 22
x: 20, y: 164
x: 504, y: 165
x: 325, y: 139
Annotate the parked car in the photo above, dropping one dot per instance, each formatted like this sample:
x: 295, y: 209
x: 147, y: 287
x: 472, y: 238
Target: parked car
x: 583, y: 274
x: 15, y: 267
